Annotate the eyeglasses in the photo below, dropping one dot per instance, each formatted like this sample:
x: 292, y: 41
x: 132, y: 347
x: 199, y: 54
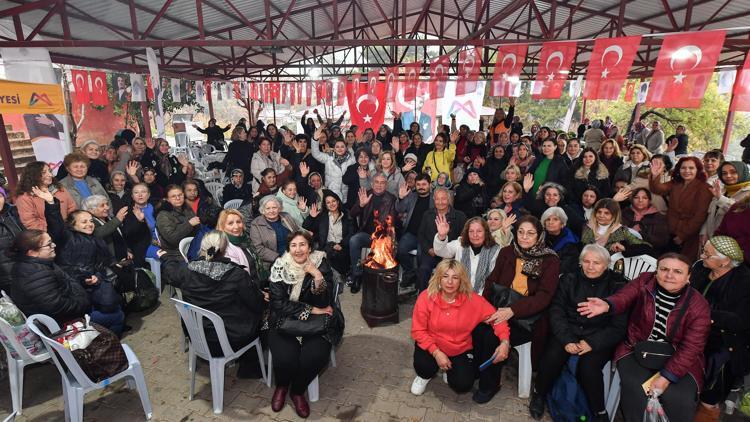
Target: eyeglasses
x: 50, y: 245
x: 522, y: 233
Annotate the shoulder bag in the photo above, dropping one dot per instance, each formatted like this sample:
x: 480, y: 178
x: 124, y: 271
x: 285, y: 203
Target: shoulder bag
x: 654, y: 355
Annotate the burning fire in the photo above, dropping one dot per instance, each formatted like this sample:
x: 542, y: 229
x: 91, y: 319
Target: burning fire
x: 382, y: 246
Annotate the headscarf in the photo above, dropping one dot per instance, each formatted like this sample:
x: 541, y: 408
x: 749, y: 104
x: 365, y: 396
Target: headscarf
x: 532, y: 258
x: 286, y: 270
x: 743, y: 178
x: 728, y: 247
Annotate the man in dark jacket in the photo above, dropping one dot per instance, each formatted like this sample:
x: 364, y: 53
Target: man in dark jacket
x: 375, y: 204
x: 411, y: 206
x: 426, y: 258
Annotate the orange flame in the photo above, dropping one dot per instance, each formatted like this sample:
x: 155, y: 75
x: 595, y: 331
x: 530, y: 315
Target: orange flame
x: 382, y: 246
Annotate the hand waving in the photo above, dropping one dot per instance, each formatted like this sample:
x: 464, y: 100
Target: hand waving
x: 314, y: 210
x: 528, y: 182
x: 46, y: 195
x: 364, y: 198
x: 441, y: 223
x: 403, y: 190
x: 304, y: 169
x: 302, y: 203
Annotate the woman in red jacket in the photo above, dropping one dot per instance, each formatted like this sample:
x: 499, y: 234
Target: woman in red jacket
x: 449, y: 328
x: 663, y: 309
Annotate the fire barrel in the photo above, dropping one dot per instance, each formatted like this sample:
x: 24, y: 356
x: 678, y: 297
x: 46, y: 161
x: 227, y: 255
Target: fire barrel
x: 379, y: 296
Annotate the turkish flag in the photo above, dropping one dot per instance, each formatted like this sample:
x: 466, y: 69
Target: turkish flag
x: 81, y: 84
x: 508, y: 66
x: 372, y: 81
x: 319, y: 92
x: 207, y: 85
x: 367, y: 110
x: 439, y: 69
x: 741, y: 93
x: 609, y: 66
x: 149, y: 88
x: 629, y: 91
x: 329, y: 92
x: 469, y: 63
x: 236, y: 89
x: 391, y: 83
x: 555, y: 60
x: 683, y: 69
x: 292, y: 93
x: 340, y: 90
x: 411, y: 80
x: 299, y: 92
x: 99, y: 94
x: 308, y: 93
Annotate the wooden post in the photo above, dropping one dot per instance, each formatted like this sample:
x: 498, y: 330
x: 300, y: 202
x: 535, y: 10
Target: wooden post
x: 146, y: 119
x: 273, y: 104
x: 210, y: 104
x: 9, y: 166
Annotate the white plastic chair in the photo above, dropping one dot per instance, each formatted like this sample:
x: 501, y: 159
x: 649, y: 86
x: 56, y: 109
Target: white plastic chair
x: 524, y: 370
x: 181, y: 139
x: 233, y: 204
x: 612, y: 392
x: 155, y: 265
x: 635, y: 265
x: 184, y: 247
x: 75, y: 382
x: 193, y: 316
x: 16, y: 365
x: 216, y: 189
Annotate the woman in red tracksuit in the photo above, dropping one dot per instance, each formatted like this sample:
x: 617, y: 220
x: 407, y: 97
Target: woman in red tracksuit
x: 450, y: 333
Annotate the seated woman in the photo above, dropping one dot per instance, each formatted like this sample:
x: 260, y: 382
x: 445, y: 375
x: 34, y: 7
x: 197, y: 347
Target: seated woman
x: 651, y: 299
x: 215, y: 283
x: 644, y: 218
x: 605, y: 230
x: 589, y: 171
x: 561, y: 239
x: 331, y: 228
x: 475, y: 249
x: 724, y: 281
x: 41, y: 287
x: 471, y: 195
x: 510, y: 199
x: 592, y: 339
x: 500, y: 226
x: 77, y: 182
x: 531, y: 270
x: 589, y: 197
x: 87, y: 260
x: 237, y: 188
x: 294, y: 205
x: 269, y: 230
x: 449, y: 329
x: 735, y: 225
x: 10, y: 226
x: 175, y: 220
x: 301, y: 287
x: 139, y: 226
x: 240, y: 248
x: 551, y: 195
x: 108, y: 227
x: 735, y: 177
x: 119, y: 194
x: 30, y: 207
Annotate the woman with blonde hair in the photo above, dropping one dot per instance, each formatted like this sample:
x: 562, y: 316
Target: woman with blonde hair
x: 500, y: 225
x: 240, y: 248
x: 386, y: 164
x: 450, y: 333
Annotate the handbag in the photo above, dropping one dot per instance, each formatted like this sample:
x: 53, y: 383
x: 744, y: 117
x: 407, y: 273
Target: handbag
x: 145, y: 295
x: 654, y: 355
x: 503, y: 297
x: 102, y: 357
x: 313, y: 325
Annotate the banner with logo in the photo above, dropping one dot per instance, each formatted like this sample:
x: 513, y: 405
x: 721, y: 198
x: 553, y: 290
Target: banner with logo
x: 30, y: 98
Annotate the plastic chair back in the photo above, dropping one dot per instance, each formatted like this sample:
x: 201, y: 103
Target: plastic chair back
x: 193, y: 316
x: 181, y: 139
x: 184, y: 247
x: 233, y: 204
x: 215, y: 188
x: 12, y: 343
x: 635, y: 265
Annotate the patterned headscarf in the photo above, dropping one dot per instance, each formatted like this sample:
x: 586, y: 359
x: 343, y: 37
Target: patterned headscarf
x: 728, y: 247
x: 532, y: 258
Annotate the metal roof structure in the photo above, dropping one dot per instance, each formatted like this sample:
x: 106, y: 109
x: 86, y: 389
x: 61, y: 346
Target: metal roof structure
x: 284, y: 39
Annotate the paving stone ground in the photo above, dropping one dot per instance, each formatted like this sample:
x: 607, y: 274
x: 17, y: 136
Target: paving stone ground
x: 370, y: 383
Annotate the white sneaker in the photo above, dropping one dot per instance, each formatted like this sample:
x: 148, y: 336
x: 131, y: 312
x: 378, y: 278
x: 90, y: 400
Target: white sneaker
x: 419, y: 385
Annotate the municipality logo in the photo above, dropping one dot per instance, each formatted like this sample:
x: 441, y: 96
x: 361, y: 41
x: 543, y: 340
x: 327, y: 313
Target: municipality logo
x: 35, y: 98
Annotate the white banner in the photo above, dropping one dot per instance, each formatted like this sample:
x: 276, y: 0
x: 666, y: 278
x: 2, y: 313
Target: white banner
x: 643, y: 92
x: 200, y: 92
x: 726, y: 80
x: 575, y: 91
x: 137, y: 90
x: 153, y: 68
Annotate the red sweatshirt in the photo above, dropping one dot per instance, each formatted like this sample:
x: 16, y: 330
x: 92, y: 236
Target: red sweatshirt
x: 437, y: 324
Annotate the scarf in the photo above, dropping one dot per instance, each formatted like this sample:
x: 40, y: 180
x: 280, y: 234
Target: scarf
x: 601, y: 239
x: 341, y: 159
x: 286, y: 270
x: 483, y: 267
x: 732, y: 190
x: 240, y: 240
x: 638, y: 216
x: 164, y: 165
x: 532, y: 258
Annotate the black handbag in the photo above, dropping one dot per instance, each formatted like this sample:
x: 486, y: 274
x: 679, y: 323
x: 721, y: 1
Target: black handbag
x: 313, y: 325
x: 504, y: 296
x: 654, y: 355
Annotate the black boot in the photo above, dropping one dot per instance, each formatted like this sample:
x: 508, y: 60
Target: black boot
x: 356, y: 284
x: 536, y: 406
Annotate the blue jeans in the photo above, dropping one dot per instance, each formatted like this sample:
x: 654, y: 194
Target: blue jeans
x: 407, y: 243
x: 115, y: 321
x: 356, y: 243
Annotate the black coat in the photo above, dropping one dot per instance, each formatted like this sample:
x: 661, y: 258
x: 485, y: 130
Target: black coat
x: 245, y: 193
x: 239, y: 155
x: 137, y: 236
x: 118, y: 202
x: 472, y: 200
x: 351, y: 180
x: 568, y: 326
x: 10, y: 226
x: 491, y: 175
x: 41, y: 287
x: 428, y: 230
x: 320, y: 225
x: 558, y: 171
x: 223, y: 287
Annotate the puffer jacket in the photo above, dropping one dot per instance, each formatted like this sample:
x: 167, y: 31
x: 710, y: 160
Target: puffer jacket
x: 10, y: 226
x: 41, y: 287
x: 264, y: 238
x: 334, y: 171
x: 172, y: 225
x: 689, y: 339
x: 568, y: 326
x: 223, y: 287
x: 95, y: 187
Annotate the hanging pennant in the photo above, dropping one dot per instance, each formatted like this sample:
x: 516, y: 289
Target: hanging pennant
x: 555, y: 60
x: 609, y: 66
x: 439, y: 69
x: 469, y: 64
x: 81, y: 84
x: 509, y: 63
x: 99, y: 94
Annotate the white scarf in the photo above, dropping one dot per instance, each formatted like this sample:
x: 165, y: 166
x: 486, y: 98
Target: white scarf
x: 285, y: 269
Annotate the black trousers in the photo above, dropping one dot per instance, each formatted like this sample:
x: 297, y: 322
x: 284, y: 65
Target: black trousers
x: 588, y: 372
x: 679, y: 400
x: 465, y: 366
x: 295, y: 365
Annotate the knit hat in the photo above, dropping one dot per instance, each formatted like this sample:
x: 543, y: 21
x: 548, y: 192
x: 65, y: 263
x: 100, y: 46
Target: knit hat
x: 410, y: 156
x: 238, y: 171
x: 728, y: 247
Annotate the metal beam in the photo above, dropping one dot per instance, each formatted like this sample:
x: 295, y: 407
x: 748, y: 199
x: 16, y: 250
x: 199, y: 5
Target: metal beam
x: 17, y: 10
x: 156, y: 19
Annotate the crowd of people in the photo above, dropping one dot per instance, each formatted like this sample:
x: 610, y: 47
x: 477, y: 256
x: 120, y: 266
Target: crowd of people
x: 506, y: 236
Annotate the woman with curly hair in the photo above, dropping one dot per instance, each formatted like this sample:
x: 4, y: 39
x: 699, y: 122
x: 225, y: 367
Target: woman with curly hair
x: 31, y: 207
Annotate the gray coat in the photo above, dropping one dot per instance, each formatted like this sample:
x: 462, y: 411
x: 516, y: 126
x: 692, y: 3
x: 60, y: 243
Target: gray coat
x: 264, y: 238
x: 173, y: 225
x: 95, y: 187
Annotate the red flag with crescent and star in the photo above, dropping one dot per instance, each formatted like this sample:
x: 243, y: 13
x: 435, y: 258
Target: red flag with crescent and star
x: 367, y: 110
x: 81, y: 84
x: 508, y: 66
x: 411, y: 80
x: 469, y: 62
x: 99, y: 95
x: 555, y: 60
x: 741, y: 94
x: 439, y: 69
x: 609, y: 66
x: 341, y: 90
x: 684, y: 68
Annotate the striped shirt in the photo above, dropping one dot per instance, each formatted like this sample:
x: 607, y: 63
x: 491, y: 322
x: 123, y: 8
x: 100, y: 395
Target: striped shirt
x: 665, y: 303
